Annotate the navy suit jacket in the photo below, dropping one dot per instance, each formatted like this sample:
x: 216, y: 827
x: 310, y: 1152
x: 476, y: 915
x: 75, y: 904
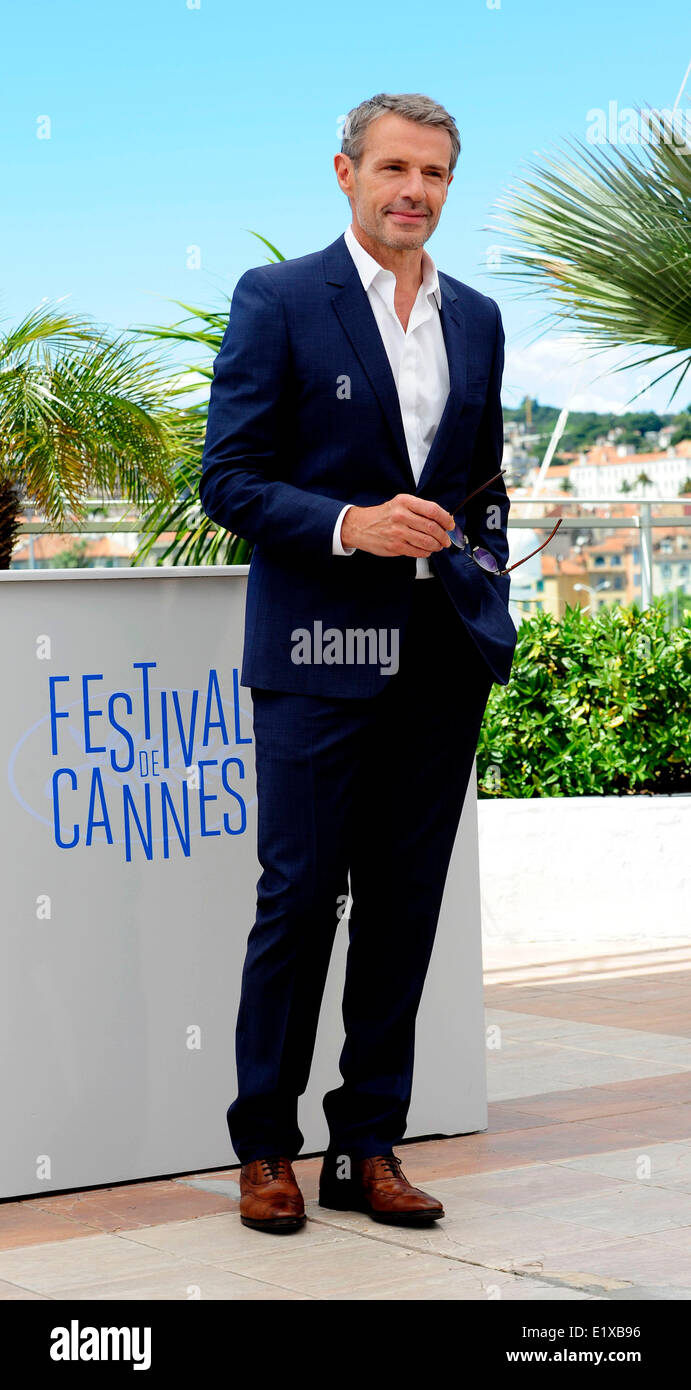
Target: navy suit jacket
x: 303, y: 417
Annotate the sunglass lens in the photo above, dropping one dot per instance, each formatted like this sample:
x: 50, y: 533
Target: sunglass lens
x: 457, y: 537
x: 486, y: 560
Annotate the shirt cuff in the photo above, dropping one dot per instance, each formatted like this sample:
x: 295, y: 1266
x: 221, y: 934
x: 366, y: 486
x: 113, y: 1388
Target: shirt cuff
x: 337, y: 546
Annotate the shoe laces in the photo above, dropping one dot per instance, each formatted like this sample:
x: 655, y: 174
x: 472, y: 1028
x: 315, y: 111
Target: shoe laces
x: 393, y: 1163
x: 274, y: 1167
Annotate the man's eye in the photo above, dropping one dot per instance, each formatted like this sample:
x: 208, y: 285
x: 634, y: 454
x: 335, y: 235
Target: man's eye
x: 433, y: 173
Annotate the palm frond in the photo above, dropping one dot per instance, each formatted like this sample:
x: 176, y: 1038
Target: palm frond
x: 43, y: 333
x: 277, y: 254
x: 193, y: 539
x: 79, y: 412
x: 608, y: 232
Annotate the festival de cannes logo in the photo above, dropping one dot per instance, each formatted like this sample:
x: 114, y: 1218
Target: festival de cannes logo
x: 141, y: 768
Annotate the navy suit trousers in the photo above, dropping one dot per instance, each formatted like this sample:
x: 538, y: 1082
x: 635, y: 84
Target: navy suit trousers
x: 370, y: 787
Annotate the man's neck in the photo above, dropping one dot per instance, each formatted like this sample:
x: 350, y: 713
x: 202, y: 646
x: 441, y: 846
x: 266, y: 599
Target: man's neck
x: 406, y: 265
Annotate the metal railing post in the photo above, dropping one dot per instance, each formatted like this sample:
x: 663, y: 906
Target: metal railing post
x: 646, y: 532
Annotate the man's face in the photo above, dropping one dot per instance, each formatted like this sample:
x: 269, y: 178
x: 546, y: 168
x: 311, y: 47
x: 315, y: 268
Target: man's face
x: 400, y: 186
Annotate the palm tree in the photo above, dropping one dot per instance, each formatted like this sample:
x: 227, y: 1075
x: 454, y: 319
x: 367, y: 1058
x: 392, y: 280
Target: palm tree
x: 196, y: 540
x: 79, y: 413
x: 608, y: 233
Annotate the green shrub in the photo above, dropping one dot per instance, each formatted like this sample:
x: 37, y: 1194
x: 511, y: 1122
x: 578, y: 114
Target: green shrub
x: 597, y: 705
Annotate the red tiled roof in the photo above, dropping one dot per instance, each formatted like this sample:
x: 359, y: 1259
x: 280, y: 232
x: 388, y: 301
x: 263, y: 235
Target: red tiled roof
x: 47, y: 546
x: 594, y: 457
x: 551, y: 566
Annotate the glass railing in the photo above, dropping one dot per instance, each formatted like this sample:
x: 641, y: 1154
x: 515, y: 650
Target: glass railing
x: 606, y: 551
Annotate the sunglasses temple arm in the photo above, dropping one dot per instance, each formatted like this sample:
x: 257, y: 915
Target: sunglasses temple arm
x: 476, y: 490
x: 533, y: 552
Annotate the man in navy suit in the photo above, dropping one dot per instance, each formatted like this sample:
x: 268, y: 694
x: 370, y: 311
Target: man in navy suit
x: 355, y: 404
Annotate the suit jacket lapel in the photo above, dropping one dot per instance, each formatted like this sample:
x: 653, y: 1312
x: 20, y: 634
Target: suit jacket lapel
x: 355, y: 313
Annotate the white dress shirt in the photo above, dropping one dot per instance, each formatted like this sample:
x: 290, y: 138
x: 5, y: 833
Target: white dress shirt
x: 417, y: 357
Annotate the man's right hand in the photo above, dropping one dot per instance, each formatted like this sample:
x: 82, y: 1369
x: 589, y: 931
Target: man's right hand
x: 406, y: 525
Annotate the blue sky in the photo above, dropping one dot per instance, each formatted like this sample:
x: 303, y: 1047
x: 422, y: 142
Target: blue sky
x: 175, y: 125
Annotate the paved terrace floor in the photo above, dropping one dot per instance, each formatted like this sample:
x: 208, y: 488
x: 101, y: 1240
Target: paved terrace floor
x: 580, y: 1189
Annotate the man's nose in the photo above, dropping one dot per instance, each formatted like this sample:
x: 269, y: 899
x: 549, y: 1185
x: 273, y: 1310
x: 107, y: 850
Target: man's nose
x: 414, y: 186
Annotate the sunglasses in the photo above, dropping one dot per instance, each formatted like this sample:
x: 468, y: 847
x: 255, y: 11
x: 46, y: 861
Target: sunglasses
x: 483, y: 557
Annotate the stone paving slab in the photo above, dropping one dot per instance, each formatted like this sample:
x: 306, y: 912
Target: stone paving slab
x: 579, y: 1189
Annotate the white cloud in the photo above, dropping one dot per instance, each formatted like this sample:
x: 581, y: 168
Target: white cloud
x: 561, y: 369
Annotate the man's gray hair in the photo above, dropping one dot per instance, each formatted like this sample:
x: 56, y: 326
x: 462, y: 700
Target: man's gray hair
x: 412, y: 106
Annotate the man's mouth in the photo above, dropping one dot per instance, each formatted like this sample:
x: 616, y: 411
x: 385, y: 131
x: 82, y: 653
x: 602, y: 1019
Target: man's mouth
x: 408, y: 216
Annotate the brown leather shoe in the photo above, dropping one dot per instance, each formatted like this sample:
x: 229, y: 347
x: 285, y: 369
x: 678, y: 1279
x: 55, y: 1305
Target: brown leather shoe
x: 270, y: 1199
x: 379, y: 1187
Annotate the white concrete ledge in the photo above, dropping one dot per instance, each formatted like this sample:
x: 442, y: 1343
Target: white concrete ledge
x: 125, y: 572
x: 565, y: 868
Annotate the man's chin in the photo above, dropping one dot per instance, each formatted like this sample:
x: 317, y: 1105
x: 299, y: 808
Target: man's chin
x: 400, y: 238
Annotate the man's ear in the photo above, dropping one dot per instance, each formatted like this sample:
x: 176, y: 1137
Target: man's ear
x: 344, y: 167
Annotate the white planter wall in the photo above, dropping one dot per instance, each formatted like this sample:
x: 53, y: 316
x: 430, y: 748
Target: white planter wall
x: 120, y: 975
x: 565, y: 868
